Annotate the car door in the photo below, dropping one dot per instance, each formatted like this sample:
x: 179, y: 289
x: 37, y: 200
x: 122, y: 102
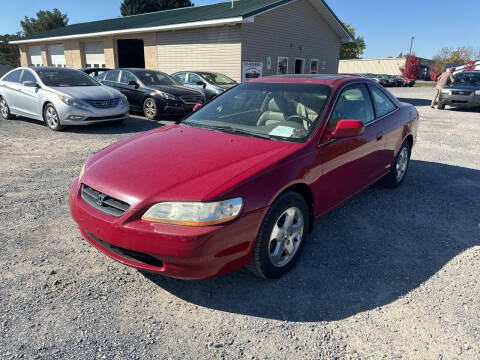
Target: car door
x: 392, y: 128
x: 133, y: 93
x: 11, y: 89
x: 28, y: 95
x: 348, y: 164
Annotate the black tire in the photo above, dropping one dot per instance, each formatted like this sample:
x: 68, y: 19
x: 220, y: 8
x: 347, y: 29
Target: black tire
x: 5, y: 110
x: 261, y: 263
x: 51, y: 118
x: 150, y: 109
x: 393, y: 180
x: 441, y: 107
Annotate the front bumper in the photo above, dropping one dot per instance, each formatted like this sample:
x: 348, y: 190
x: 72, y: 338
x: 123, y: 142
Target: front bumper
x: 183, y: 252
x: 471, y: 100
x: 72, y: 115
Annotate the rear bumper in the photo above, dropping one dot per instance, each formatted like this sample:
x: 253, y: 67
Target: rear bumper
x: 176, y: 251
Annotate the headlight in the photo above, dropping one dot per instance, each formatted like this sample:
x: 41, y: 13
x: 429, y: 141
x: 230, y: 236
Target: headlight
x: 81, y: 173
x: 166, y: 95
x: 477, y: 92
x: 446, y: 91
x: 69, y: 100
x: 124, y: 100
x: 194, y: 213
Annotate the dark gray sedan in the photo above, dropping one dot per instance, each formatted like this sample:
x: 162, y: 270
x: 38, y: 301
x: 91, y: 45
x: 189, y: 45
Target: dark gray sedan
x: 211, y: 84
x: 465, y: 92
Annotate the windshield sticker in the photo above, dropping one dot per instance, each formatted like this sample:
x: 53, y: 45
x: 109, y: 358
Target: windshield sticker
x: 283, y: 131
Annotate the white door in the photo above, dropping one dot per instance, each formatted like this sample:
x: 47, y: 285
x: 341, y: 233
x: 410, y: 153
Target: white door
x: 35, y: 54
x: 94, y: 54
x: 57, y: 55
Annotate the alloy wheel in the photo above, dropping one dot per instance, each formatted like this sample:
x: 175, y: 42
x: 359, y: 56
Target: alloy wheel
x: 150, y: 109
x: 286, y: 237
x: 4, y: 109
x: 51, y: 117
x: 402, y: 164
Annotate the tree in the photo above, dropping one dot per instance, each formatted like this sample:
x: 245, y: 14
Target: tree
x: 436, y: 71
x: 9, y: 54
x: 352, y: 50
x: 411, y: 68
x: 46, y: 20
x: 135, y: 7
x: 460, y: 55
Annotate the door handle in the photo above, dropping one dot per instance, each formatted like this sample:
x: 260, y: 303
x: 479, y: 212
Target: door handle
x: 379, y: 136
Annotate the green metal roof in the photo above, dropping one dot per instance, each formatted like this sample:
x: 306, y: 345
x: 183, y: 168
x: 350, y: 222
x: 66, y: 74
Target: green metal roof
x: 241, y: 9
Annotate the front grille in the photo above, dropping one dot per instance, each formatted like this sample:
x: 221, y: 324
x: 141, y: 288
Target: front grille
x: 128, y: 254
x: 103, y: 202
x: 99, y: 118
x: 192, y: 99
x: 466, y: 93
x: 104, y: 104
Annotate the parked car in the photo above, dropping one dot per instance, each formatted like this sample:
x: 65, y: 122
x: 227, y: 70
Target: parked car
x: 152, y: 92
x: 94, y: 72
x: 59, y: 96
x: 406, y: 82
x: 465, y: 91
x: 212, y: 84
x: 241, y: 181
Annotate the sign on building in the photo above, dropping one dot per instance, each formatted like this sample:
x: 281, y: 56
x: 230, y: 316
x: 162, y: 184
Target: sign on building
x: 251, y: 70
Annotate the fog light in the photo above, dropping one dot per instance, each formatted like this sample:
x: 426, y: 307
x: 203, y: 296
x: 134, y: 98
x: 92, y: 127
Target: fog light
x: 75, y: 117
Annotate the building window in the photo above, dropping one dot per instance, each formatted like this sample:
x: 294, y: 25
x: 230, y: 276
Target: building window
x: 282, y: 65
x: 324, y: 65
x: 314, y: 66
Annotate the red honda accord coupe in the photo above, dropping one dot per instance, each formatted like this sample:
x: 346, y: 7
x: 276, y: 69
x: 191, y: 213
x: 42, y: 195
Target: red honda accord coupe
x: 242, y: 180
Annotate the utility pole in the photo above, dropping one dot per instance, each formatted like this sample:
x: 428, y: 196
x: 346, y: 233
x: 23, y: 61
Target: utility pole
x: 411, y: 43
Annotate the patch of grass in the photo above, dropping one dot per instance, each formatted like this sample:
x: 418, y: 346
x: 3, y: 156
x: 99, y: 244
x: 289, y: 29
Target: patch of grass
x: 424, y: 85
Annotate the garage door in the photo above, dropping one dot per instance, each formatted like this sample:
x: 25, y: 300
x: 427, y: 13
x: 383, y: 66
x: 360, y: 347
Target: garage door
x: 94, y: 54
x: 35, y: 55
x: 57, y: 55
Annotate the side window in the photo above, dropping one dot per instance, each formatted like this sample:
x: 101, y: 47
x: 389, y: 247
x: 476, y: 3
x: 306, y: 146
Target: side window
x: 180, y: 77
x: 101, y: 76
x: 383, y: 105
x: 14, y: 76
x: 112, y: 76
x: 353, y: 103
x: 28, y: 76
x: 127, y: 77
x: 194, y: 78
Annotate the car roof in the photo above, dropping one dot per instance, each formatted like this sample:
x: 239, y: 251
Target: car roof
x: 328, y: 79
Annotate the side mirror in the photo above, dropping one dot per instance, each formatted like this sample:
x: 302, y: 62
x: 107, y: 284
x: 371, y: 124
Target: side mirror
x: 347, y: 128
x: 201, y: 83
x: 134, y: 83
x: 30, y: 84
x: 196, y: 107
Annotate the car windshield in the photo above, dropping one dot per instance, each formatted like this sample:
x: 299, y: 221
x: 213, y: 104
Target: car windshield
x: 149, y: 78
x: 218, y: 79
x: 278, y: 111
x: 65, y: 78
x: 468, y: 79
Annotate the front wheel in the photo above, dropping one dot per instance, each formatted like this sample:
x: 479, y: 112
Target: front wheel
x: 52, y: 119
x: 399, y: 169
x: 441, y: 107
x: 5, y: 110
x: 150, y: 109
x: 281, y: 237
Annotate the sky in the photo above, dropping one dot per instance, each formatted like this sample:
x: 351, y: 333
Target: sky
x: 386, y: 25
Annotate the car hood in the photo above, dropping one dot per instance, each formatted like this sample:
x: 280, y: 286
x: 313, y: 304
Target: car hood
x: 464, y: 87
x: 89, y: 92
x: 176, y: 90
x: 180, y: 163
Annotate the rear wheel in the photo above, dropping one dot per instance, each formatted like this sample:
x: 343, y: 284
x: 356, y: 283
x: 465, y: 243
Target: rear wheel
x: 150, y: 109
x: 281, y: 237
x: 51, y: 118
x: 399, y: 169
x: 5, y: 110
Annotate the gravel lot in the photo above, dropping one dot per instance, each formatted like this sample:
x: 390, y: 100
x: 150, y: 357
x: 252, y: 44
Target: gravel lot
x: 391, y: 274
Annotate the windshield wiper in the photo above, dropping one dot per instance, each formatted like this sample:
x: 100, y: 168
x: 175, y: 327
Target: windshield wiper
x: 231, y: 130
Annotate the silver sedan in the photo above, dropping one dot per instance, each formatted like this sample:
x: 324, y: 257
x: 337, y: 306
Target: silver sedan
x: 59, y: 97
